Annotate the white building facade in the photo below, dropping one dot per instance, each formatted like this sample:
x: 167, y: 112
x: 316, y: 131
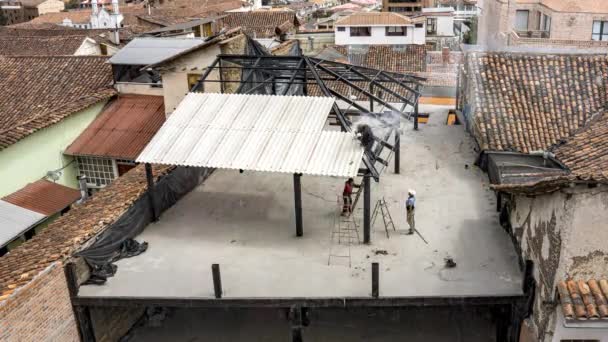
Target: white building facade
x: 379, y: 28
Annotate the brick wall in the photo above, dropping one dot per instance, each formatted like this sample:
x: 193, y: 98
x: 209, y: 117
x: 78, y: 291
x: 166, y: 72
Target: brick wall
x: 40, y: 310
x: 110, y: 324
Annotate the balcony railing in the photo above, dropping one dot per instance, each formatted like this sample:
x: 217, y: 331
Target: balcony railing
x: 533, y: 34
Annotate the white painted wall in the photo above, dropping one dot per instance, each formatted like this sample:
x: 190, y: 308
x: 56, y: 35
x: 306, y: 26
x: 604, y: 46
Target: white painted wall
x: 89, y: 47
x: 445, y: 26
x: 138, y: 88
x: 50, y: 6
x: 576, y: 217
x: 379, y: 37
x: 175, y: 75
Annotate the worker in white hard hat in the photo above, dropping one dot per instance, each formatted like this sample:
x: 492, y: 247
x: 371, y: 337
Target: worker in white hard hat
x: 410, y: 206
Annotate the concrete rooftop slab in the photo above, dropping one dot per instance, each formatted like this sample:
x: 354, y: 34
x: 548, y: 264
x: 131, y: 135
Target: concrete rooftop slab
x: 245, y: 222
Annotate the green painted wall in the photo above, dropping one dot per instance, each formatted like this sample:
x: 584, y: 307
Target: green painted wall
x: 29, y: 159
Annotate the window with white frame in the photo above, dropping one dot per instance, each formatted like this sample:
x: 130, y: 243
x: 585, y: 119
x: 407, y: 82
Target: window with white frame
x: 99, y: 171
x: 600, y: 30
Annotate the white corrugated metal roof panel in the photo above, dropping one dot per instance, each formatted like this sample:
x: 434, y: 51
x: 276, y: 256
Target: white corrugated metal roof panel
x: 15, y: 220
x: 254, y: 132
x: 146, y: 51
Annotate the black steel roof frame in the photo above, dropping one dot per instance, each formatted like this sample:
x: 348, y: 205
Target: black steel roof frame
x: 298, y: 70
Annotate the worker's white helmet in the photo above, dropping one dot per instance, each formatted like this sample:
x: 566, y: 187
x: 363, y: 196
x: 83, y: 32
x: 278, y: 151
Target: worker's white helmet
x: 411, y: 192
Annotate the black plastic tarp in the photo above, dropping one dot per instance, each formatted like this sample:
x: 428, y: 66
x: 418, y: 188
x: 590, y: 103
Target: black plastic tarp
x: 117, y: 241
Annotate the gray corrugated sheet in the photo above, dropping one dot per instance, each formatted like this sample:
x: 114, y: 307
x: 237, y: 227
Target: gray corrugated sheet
x: 145, y: 51
x: 255, y: 132
x: 15, y: 220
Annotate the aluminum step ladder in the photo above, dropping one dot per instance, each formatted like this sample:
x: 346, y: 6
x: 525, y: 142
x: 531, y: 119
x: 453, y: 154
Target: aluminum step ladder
x: 382, y: 208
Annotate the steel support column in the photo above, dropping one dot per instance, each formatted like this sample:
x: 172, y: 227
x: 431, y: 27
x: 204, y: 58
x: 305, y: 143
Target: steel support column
x: 217, y: 280
x: 295, y: 316
x: 297, y: 192
x: 150, y: 180
x: 416, y: 116
x: 397, y: 151
x: 375, y: 280
x: 366, y: 209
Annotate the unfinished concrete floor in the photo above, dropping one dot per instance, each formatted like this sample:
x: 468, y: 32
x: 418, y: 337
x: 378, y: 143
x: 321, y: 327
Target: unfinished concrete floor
x: 245, y: 222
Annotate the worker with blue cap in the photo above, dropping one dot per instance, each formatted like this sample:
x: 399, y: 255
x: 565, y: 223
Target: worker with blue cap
x: 410, y: 206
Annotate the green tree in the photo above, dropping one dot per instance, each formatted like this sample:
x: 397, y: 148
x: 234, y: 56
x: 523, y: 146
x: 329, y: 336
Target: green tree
x: 471, y: 36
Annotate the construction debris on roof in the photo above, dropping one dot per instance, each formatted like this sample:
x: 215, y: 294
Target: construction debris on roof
x: 15, y: 220
x: 123, y: 129
x: 255, y: 132
x: 584, y: 300
x: 65, y: 235
x: 529, y: 102
x: 40, y: 46
x: 40, y: 91
x: 44, y: 197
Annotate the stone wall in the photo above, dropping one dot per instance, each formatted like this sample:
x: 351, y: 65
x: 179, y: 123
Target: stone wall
x: 561, y: 232
x: 40, y: 311
x: 233, y: 46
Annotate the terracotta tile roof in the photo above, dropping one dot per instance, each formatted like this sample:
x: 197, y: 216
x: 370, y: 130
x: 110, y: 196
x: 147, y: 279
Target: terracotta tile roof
x: 76, y: 16
x: 181, y: 11
x: 374, y: 19
x: 44, y: 197
x: 40, y: 91
x: 525, y: 103
x: 123, y: 129
x: 586, y: 152
x: 40, y: 46
x: 347, y: 91
x: 262, y: 24
x: 65, y: 235
x: 584, y: 300
x: 410, y: 58
x: 584, y: 6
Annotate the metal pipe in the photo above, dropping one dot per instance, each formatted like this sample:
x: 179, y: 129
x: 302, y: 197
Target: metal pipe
x: 217, y: 280
x: 297, y: 192
x: 366, y: 209
x: 150, y: 180
x: 375, y: 280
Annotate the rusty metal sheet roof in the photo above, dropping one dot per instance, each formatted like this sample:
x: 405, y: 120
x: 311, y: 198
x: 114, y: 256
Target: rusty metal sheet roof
x: 123, y: 129
x: 43, y: 197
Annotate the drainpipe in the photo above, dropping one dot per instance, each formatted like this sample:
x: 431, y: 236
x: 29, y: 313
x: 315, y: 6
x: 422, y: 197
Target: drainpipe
x: 84, y: 189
